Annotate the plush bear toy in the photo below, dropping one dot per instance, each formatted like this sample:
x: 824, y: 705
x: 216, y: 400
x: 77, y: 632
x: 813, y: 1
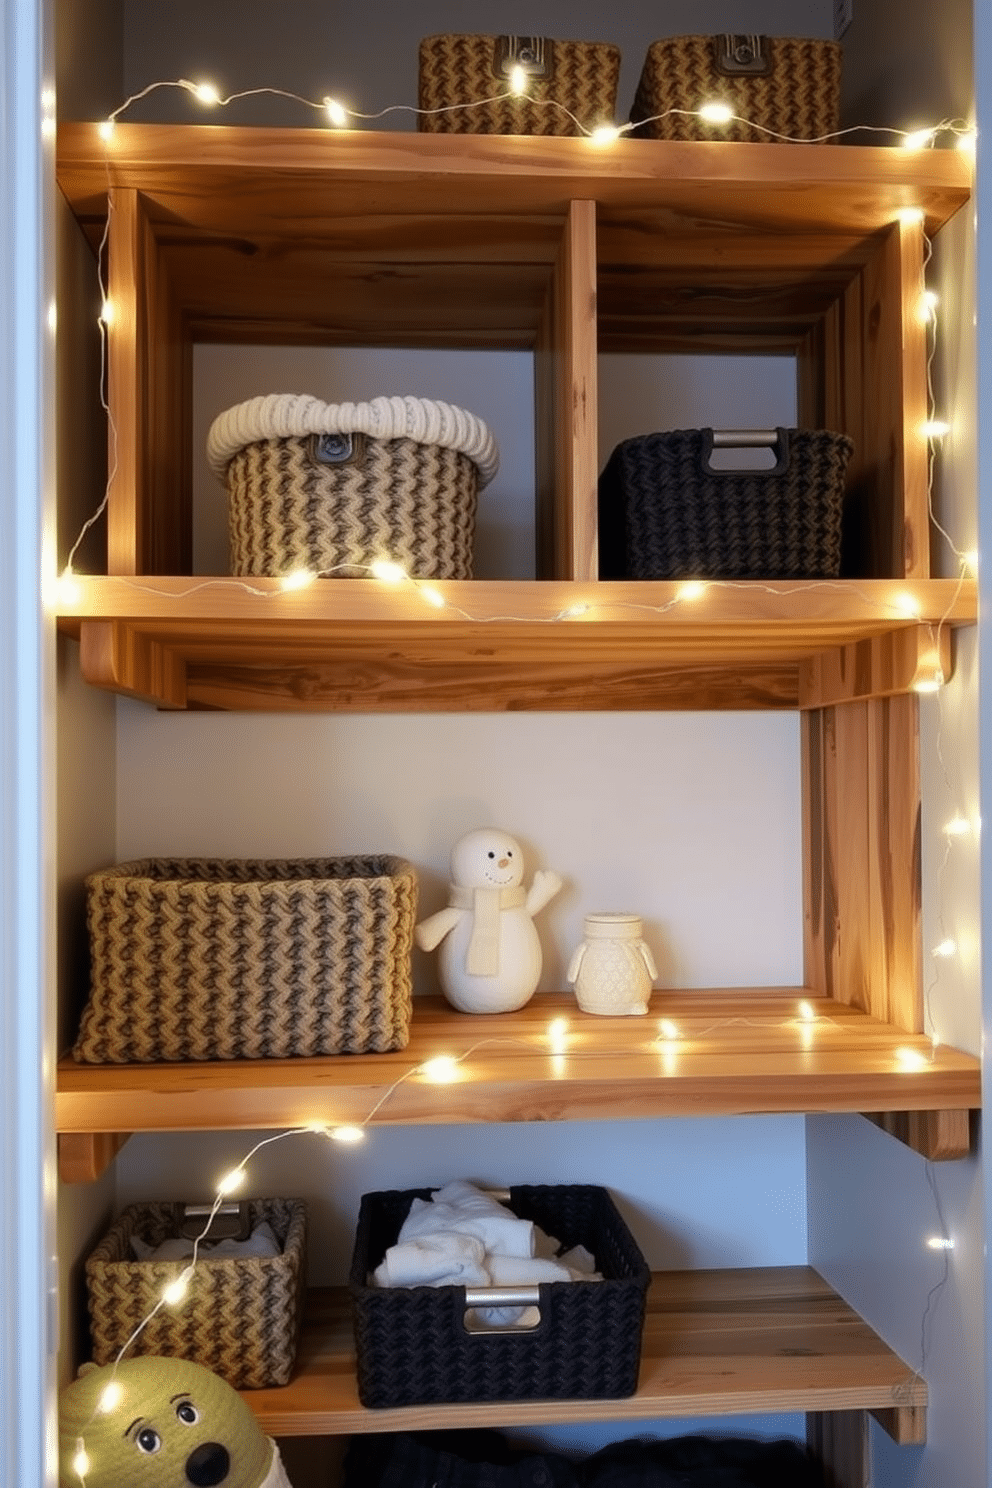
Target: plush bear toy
x: 150, y: 1422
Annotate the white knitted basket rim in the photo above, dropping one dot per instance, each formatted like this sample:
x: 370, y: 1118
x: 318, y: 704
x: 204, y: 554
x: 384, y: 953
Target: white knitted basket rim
x: 292, y: 415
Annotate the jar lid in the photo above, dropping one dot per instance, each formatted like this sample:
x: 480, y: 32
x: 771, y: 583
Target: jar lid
x: 608, y: 923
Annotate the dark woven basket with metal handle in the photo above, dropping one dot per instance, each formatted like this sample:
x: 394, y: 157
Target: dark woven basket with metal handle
x: 666, y: 512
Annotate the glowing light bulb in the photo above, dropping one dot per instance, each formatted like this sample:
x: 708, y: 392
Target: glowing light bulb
x: 336, y: 112
x: 206, y: 94
x: 908, y: 604
x: 918, y: 139
x: 911, y: 1059
x: 388, y: 571
x: 967, y: 140
x: 605, y: 134
x: 107, y: 312
x: 693, y: 589
x: 111, y: 1398
x: 927, y: 685
x: 927, y: 307
x: 940, y: 1242
x: 716, y: 112
x: 433, y: 596
x: 53, y: 315
x: 66, y: 591
x: 958, y: 826
x: 575, y: 610
x: 80, y: 1462
x: 299, y: 578
x: 807, y: 1012
x: 346, y: 1134
x: 176, y: 1290
x: 970, y: 559
x: 946, y: 948
x: 518, y: 80
x: 911, y: 215
x: 934, y: 429
x: 668, y: 1030
x: 231, y: 1181
x: 441, y: 1069
x: 105, y: 129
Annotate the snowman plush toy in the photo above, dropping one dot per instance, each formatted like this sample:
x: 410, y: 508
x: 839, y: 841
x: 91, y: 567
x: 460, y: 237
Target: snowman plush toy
x: 490, y: 957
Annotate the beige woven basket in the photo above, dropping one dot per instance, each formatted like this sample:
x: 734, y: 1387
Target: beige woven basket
x: 464, y: 80
x: 334, y: 487
x: 785, y: 85
x: 240, y: 1317
x: 205, y: 959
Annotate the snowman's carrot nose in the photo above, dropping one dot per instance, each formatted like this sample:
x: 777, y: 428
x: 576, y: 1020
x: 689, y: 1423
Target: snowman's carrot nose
x: 504, y: 862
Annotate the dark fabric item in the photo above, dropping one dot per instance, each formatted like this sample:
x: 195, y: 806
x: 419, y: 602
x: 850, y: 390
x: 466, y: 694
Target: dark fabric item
x: 701, y: 1462
x: 451, y: 1459
x: 483, y: 1459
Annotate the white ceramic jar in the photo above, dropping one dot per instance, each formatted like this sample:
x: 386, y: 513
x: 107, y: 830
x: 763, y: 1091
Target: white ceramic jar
x: 613, y: 968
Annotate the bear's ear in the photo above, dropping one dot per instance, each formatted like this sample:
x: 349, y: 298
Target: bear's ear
x: 86, y: 1369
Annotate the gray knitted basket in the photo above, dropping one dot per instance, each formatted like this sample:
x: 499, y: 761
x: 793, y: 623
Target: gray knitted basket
x: 196, y: 959
x: 240, y: 1317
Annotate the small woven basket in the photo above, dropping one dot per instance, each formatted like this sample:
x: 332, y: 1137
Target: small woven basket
x: 195, y: 959
x: 333, y: 487
x: 666, y: 513
x: 412, y: 1344
x: 784, y: 85
x: 465, y: 83
x: 240, y: 1317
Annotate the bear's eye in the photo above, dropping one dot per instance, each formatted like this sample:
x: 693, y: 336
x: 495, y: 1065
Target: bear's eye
x: 187, y: 1412
x: 148, y: 1441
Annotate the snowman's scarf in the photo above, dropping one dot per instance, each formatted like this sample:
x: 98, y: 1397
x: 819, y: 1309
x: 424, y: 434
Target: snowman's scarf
x: 482, y: 956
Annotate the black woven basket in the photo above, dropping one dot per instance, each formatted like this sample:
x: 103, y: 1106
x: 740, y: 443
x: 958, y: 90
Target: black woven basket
x: 665, y: 512
x: 412, y: 1343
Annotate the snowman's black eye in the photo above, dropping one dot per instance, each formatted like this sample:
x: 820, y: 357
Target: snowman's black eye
x: 492, y: 855
x: 509, y: 852
x: 187, y: 1412
x: 148, y: 1441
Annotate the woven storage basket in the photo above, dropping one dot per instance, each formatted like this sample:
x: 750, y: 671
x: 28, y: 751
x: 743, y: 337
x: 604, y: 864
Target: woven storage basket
x: 332, y: 487
x: 465, y: 79
x: 786, y: 85
x: 240, y: 1317
x: 666, y: 513
x: 248, y: 959
x: 412, y: 1344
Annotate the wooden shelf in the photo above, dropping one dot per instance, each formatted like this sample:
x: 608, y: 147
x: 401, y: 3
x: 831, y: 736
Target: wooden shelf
x: 715, y: 1343
x: 361, y: 645
x: 739, y: 1052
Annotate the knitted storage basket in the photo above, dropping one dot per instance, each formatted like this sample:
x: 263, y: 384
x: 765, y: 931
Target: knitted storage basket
x: 332, y: 487
x: 783, y: 85
x: 666, y: 513
x: 240, y: 1317
x: 248, y: 959
x: 412, y: 1344
x: 465, y: 83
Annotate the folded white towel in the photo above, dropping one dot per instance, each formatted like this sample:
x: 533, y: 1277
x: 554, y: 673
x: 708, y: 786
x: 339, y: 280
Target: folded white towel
x: 444, y: 1259
x: 500, y: 1231
x: 464, y: 1237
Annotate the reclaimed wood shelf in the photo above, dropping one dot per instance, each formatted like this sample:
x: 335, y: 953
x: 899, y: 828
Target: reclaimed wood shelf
x: 716, y: 1342
x: 735, y: 1052
x: 363, y: 645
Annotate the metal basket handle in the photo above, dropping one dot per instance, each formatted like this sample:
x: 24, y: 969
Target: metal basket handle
x: 776, y: 439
